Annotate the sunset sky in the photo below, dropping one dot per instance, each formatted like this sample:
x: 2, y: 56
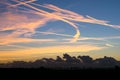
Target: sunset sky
x: 34, y: 29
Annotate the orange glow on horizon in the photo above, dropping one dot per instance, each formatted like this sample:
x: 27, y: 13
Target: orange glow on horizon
x: 29, y: 52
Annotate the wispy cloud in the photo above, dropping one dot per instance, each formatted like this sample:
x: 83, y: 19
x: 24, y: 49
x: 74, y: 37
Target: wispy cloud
x: 52, y: 33
x: 72, y: 16
x: 24, y: 54
x: 6, y: 41
x: 20, y: 24
x: 15, y: 21
x: 50, y: 15
x: 69, y: 16
x: 66, y: 48
x: 23, y: 24
x: 109, y: 45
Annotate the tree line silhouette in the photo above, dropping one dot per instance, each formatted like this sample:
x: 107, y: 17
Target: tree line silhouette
x: 66, y: 62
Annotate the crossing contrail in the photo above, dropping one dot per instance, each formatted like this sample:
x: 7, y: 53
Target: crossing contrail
x: 52, y: 33
x: 63, y: 15
x: 51, y: 15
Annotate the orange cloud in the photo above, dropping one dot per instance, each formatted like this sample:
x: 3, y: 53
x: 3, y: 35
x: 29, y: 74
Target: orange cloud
x: 20, y: 24
x: 27, y: 53
x: 5, y: 41
x: 13, y: 21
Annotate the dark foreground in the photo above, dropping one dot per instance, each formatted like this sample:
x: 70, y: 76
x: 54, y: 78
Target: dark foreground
x: 53, y: 74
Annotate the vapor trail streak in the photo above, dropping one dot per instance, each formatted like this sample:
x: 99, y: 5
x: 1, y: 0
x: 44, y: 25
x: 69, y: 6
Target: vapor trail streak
x: 22, y: 3
x: 50, y: 15
x: 55, y: 34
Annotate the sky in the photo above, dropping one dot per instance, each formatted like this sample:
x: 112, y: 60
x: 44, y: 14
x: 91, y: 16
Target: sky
x: 34, y: 29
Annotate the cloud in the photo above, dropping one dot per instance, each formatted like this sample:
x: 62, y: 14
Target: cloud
x: 69, y: 16
x: 23, y: 24
x: 72, y: 16
x: 26, y: 53
x: 20, y: 24
x: 5, y: 41
x: 109, y: 45
x: 95, y: 38
x: 66, y: 48
x: 50, y: 15
x: 52, y: 33
x: 112, y: 37
x: 13, y: 21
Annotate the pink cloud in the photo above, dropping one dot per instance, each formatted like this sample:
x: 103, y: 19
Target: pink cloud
x: 23, y: 24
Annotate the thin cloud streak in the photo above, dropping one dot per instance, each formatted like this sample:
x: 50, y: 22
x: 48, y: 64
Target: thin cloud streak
x: 52, y: 33
x: 29, y: 26
x: 96, y: 38
x: 20, y: 24
x: 109, y: 45
x: 26, y: 53
x: 50, y: 15
x: 69, y: 15
x: 6, y: 41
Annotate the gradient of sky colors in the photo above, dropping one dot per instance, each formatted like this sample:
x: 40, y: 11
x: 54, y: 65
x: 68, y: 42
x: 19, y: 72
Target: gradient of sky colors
x: 33, y: 29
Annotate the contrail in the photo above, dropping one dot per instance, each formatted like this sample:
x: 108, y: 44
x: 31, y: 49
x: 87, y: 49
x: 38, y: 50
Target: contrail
x: 55, y: 34
x: 50, y: 15
x: 76, y: 36
x: 64, y: 15
x: 22, y: 2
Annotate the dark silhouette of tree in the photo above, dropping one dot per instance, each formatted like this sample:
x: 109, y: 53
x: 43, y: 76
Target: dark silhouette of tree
x: 67, y: 57
x: 48, y: 60
x: 59, y: 59
x: 70, y: 59
x: 85, y: 59
x: 37, y: 63
x: 106, y: 60
x: 66, y: 62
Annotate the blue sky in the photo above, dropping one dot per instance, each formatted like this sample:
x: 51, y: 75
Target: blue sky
x: 47, y: 28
